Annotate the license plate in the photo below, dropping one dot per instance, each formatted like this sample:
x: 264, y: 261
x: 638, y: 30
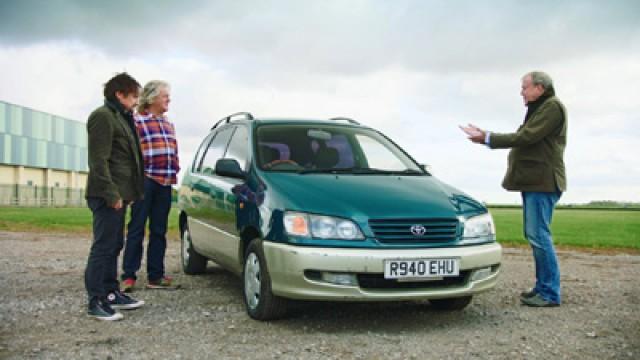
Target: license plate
x: 421, y: 268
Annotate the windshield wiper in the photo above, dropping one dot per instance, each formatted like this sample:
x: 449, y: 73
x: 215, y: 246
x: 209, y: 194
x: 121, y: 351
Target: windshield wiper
x: 394, y: 172
x: 328, y: 171
x: 361, y: 171
x: 409, y: 172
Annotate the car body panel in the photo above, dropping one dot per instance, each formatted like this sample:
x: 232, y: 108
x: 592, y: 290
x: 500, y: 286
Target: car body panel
x: 212, y: 219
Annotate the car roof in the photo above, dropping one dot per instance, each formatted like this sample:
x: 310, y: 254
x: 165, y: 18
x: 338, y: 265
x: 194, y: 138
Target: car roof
x: 254, y: 121
x: 303, y: 121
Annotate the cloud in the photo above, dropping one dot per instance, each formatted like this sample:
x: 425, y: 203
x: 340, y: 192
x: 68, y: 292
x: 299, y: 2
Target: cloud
x: 414, y: 70
x: 251, y: 40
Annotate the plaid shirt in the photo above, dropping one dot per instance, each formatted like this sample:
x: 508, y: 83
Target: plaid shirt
x: 159, y: 148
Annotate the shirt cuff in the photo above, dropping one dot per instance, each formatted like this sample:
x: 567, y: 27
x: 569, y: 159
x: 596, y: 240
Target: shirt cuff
x: 487, y: 137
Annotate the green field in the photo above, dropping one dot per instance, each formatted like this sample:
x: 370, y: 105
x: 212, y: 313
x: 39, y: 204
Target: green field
x: 590, y: 228
x: 67, y: 220
x: 585, y: 228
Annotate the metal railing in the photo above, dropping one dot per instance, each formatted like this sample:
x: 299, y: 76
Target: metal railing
x: 24, y: 195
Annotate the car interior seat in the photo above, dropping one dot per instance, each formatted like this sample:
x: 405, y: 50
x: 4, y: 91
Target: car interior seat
x: 326, y: 157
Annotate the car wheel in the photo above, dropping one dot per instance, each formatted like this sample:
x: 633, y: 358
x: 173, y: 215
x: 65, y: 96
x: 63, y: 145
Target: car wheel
x: 451, y: 304
x: 260, y: 302
x: 192, y: 262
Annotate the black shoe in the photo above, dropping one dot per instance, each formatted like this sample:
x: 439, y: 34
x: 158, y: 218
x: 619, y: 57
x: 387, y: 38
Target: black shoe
x: 538, y: 301
x: 528, y: 294
x: 120, y: 300
x: 101, y: 310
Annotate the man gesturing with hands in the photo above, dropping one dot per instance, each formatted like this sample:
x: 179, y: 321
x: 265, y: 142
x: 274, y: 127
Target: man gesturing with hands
x: 536, y: 169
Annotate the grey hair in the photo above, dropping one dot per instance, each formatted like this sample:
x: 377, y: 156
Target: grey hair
x: 149, y: 93
x: 541, y: 78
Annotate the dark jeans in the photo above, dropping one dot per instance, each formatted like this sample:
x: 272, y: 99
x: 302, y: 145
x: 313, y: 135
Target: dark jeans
x: 101, y: 274
x: 155, y: 207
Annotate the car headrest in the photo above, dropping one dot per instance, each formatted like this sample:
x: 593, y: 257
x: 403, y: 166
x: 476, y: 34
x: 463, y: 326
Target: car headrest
x: 326, y: 158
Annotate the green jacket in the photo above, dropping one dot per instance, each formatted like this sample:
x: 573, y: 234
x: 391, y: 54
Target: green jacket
x: 536, y: 158
x: 116, y: 170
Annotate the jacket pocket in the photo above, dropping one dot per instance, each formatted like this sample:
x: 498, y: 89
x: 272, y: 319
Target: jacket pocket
x: 529, y: 172
x: 121, y: 174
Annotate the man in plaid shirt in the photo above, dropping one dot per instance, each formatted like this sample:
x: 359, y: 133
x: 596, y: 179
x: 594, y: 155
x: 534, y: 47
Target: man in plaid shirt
x: 161, y: 166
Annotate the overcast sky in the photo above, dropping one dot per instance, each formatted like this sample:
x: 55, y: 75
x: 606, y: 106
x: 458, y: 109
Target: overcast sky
x: 413, y: 69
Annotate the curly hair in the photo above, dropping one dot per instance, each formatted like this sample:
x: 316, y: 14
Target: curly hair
x: 149, y: 93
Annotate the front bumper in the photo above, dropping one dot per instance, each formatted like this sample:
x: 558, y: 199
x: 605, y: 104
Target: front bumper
x: 287, y: 265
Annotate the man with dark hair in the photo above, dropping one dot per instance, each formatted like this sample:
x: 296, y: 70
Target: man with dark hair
x: 115, y: 180
x: 536, y: 169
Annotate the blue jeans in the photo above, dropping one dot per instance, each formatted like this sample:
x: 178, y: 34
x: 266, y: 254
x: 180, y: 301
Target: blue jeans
x: 538, y: 212
x: 100, y: 276
x: 155, y: 207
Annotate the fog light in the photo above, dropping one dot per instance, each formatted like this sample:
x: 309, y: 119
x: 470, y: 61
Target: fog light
x: 340, y: 279
x: 481, y: 274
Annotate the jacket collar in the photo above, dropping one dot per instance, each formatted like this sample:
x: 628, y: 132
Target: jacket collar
x: 534, y: 105
x: 116, y: 106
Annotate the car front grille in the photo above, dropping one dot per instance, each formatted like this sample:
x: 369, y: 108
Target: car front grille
x: 399, y: 231
x: 377, y: 281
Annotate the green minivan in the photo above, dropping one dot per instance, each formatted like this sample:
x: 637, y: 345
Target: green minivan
x: 329, y: 210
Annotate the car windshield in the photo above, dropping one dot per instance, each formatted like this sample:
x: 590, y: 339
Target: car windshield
x: 310, y: 149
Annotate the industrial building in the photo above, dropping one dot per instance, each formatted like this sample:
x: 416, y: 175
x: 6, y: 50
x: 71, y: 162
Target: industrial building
x: 43, y: 158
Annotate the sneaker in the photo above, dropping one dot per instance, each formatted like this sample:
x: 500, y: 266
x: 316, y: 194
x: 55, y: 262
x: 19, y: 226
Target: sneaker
x: 537, y: 301
x: 128, y: 284
x: 528, y: 294
x: 101, y: 310
x: 164, y: 282
x: 120, y: 300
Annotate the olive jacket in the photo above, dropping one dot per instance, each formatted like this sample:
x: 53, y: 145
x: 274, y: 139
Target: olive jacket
x: 116, y: 170
x: 536, y: 161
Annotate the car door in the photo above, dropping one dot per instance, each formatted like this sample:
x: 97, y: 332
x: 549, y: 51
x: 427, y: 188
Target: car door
x: 188, y: 196
x: 214, y: 230
x: 206, y: 197
x: 229, y: 247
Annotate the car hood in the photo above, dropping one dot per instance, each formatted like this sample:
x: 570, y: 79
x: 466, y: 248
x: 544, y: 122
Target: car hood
x: 364, y: 196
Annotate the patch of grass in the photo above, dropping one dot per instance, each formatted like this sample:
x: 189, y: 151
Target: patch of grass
x: 576, y: 228
x: 64, y: 220
x: 597, y: 229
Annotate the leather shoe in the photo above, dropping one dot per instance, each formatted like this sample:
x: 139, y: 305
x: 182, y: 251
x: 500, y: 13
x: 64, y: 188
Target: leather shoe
x: 529, y: 293
x: 537, y: 301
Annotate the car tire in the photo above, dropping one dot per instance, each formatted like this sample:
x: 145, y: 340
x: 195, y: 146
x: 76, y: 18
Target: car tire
x: 192, y: 262
x: 451, y: 304
x: 259, y: 301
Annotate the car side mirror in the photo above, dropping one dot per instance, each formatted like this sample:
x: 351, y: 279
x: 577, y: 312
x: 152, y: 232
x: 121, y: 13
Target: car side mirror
x: 229, y: 168
x: 425, y: 167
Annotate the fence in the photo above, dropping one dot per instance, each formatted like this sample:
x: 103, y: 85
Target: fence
x: 24, y: 195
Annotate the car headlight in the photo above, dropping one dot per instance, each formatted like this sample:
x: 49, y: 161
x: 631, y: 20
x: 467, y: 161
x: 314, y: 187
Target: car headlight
x: 321, y: 227
x: 480, y: 226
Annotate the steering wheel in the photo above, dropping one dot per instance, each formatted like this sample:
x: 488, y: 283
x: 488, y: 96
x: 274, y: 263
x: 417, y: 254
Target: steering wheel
x: 277, y: 162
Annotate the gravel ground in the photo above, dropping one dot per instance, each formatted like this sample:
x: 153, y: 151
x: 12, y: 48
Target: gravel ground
x: 42, y: 315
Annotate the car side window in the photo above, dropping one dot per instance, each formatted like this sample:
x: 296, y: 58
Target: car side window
x: 197, y: 159
x: 239, y: 146
x: 215, y: 151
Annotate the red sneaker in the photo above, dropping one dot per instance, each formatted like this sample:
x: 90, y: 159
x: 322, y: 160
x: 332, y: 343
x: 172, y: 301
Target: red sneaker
x: 127, y: 285
x: 164, y: 282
